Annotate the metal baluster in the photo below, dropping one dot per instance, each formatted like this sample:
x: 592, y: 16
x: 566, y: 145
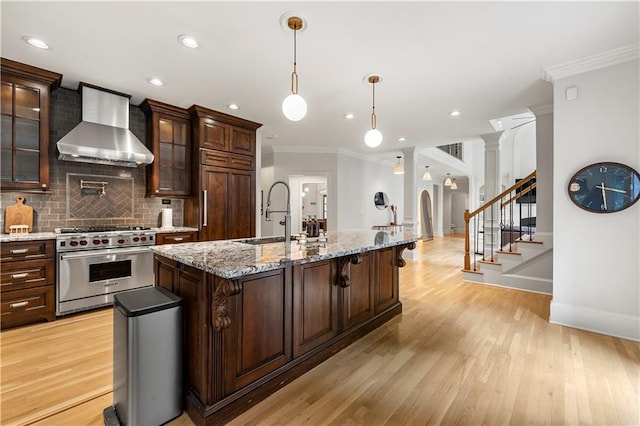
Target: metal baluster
x: 492, y: 224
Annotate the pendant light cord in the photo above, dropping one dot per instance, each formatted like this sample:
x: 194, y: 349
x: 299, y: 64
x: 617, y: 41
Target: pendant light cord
x: 294, y: 74
x: 373, y: 111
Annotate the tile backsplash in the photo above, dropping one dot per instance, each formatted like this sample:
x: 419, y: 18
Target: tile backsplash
x: 124, y: 202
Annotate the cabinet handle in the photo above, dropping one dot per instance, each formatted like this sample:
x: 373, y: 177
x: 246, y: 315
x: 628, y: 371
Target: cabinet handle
x: 19, y: 304
x: 18, y: 276
x: 19, y: 251
x: 178, y: 239
x: 204, y: 201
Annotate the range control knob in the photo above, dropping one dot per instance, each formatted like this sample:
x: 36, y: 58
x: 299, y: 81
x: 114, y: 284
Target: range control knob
x: 83, y: 242
x: 143, y: 238
x: 105, y: 241
x: 96, y: 242
x: 73, y: 243
x: 136, y: 239
x: 121, y: 241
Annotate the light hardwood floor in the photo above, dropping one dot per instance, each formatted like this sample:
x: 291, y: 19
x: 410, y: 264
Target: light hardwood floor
x: 460, y: 353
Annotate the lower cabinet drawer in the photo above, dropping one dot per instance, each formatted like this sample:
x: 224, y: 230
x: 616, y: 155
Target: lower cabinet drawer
x: 29, y: 274
x: 27, y: 306
x: 176, y: 238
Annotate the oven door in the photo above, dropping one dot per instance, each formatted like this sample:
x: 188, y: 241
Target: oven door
x: 98, y: 272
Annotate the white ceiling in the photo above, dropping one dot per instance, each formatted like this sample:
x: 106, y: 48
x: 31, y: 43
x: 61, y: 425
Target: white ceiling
x: 483, y: 58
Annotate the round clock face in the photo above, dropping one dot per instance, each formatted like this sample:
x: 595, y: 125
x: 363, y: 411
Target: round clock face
x: 605, y: 187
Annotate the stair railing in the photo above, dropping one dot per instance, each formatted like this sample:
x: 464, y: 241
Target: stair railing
x: 503, y: 201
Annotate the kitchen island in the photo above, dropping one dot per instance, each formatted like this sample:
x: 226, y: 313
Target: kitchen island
x: 259, y: 312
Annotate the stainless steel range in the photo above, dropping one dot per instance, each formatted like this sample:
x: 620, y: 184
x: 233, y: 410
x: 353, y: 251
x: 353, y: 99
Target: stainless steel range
x: 95, y: 263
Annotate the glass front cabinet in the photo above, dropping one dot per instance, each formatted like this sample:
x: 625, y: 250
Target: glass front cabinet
x: 25, y: 126
x: 168, y: 136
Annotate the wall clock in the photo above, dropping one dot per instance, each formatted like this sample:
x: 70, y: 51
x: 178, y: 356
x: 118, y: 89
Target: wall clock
x: 605, y: 187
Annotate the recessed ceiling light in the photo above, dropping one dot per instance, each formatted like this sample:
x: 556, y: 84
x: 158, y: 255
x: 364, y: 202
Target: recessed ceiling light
x: 35, y: 42
x: 233, y: 106
x: 348, y: 116
x: 155, y: 81
x: 188, y: 41
x: 402, y: 139
x: 454, y: 113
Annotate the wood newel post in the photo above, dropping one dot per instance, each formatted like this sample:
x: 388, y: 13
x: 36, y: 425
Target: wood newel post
x: 467, y: 258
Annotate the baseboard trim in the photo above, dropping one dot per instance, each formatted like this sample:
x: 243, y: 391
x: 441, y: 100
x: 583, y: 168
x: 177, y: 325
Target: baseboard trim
x: 510, y: 287
x: 594, y: 320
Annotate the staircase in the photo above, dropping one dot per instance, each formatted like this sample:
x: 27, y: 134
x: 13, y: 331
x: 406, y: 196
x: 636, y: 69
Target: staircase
x: 502, y: 248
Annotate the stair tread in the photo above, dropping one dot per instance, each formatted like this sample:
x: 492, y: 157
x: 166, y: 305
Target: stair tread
x: 508, y: 252
x: 489, y: 262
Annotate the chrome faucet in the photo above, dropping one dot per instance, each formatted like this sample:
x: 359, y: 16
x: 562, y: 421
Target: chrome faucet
x: 287, y: 217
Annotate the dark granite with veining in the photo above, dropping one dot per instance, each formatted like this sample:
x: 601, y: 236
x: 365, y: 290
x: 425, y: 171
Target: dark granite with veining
x: 236, y: 258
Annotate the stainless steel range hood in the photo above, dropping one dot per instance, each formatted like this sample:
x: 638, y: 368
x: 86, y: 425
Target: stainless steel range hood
x: 103, y: 136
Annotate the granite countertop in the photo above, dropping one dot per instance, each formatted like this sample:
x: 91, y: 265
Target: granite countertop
x: 174, y: 230
x: 32, y: 236
x: 236, y: 258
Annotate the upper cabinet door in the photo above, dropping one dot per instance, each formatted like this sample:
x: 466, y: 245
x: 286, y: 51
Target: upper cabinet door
x: 25, y: 127
x: 169, y: 138
x: 242, y: 141
x: 223, y: 132
x: 214, y: 135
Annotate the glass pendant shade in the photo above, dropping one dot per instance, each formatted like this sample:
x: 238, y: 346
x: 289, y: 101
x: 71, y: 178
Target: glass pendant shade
x: 373, y: 138
x: 399, y: 168
x: 426, y: 176
x: 454, y: 185
x: 447, y: 181
x: 294, y: 107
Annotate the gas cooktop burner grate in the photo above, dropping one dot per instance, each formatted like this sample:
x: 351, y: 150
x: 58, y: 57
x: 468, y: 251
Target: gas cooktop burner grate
x: 102, y: 229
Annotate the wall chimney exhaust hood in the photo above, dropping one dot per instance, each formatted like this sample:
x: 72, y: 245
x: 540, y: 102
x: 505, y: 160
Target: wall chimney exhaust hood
x: 103, y: 136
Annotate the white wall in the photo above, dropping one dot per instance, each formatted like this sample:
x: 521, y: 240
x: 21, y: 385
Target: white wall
x: 596, y: 256
x: 352, y: 182
x: 524, y: 152
x: 359, y: 180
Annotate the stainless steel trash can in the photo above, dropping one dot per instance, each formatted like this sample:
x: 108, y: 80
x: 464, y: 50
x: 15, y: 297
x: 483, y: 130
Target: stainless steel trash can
x: 147, y: 357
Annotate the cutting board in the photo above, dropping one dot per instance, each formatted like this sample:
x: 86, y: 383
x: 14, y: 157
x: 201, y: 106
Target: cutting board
x: 18, y: 214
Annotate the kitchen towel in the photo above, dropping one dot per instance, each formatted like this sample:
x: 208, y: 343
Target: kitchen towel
x: 167, y: 218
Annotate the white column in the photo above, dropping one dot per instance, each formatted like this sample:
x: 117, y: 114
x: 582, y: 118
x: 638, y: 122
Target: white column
x: 491, y: 189
x: 410, y: 197
x: 544, y: 168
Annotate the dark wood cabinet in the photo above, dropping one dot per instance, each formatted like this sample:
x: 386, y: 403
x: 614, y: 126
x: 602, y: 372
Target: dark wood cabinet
x: 176, y: 237
x: 224, y: 206
x: 169, y: 138
x: 27, y: 282
x: 223, y: 132
x: 357, y: 301
x: 258, y: 340
x: 315, y: 305
x: 385, y: 278
x: 25, y: 126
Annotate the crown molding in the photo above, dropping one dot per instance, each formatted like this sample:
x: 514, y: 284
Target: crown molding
x: 590, y: 63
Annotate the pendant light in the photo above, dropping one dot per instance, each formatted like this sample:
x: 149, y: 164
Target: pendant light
x: 427, y: 175
x: 373, y: 137
x: 447, y: 181
x: 294, y: 107
x: 454, y: 185
x: 399, y: 168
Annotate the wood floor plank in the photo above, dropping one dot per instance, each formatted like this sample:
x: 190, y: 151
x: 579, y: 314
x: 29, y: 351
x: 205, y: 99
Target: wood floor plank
x: 460, y: 353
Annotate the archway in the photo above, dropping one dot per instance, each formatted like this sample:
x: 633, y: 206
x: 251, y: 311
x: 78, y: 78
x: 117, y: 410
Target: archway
x: 426, y: 218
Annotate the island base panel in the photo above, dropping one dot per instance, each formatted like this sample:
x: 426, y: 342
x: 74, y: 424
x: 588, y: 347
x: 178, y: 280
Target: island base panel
x: 231, y: 407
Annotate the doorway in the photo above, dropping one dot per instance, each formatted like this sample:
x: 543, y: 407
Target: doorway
x: 309, y: 201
